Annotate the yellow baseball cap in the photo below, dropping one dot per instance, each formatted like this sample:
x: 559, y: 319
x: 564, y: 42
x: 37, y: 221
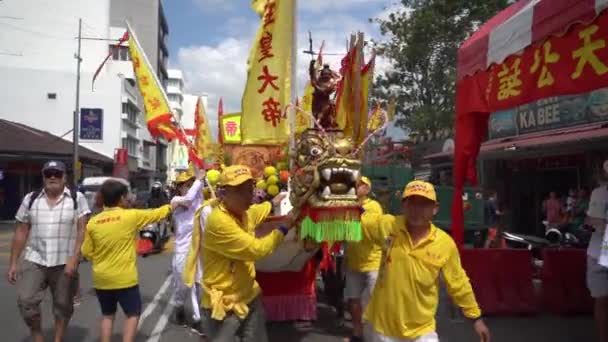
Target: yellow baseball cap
x: 235, y: 175
x: 365, y: 181
x: 184, y: 176
x: 420, y: 188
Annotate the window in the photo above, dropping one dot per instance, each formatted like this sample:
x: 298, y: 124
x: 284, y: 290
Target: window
x: 131, y: 145
x: 120, y: 53
x: 146, y: 152
x: 172, y: 82
x: 51, y: 96
x: 131, y: 111
x: 174, y: 98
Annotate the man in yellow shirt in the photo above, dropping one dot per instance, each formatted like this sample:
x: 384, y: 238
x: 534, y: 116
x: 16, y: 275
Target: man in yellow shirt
x: 231, y: 296
x: 362, y: 264
x: 109, y: 244
x: 415, y: 253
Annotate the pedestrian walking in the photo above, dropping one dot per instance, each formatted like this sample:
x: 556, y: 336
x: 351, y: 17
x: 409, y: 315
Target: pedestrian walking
x: 189, y: 186
x: 50, y: 228
x: 362, y: 264
x: 109, y: 245
x: 415, y: 253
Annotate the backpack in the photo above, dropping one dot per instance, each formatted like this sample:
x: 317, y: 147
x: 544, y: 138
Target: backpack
x: 36, y: 193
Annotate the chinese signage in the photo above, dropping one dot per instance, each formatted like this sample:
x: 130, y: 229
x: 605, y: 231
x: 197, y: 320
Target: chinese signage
x: 573, y: 63
x: 91, y: 123
x: 267, y: 91
x: 550, y: 113
x: 231, y: 128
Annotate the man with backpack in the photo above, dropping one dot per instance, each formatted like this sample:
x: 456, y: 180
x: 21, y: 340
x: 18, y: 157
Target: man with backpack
x: 50, y: 227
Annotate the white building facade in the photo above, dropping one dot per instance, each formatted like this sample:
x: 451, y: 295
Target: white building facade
x: 38, y: 83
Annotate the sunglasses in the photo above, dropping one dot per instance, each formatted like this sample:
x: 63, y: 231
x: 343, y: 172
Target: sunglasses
x: 52, y: 173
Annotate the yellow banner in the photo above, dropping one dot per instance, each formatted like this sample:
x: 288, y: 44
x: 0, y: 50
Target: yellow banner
x: 345, y: 105
x: 231, y: 128
x: 376, y: 120
x: 203, y: 143
x: 267, y: 91
x: 158, y: 112
x: 303, y: 120
x: 367, y: 79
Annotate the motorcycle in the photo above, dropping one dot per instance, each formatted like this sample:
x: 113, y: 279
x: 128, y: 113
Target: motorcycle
x: 152, y: 238
x: 566, y: 235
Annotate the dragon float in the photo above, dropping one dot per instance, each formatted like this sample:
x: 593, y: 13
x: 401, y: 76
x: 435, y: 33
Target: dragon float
x: 325, y: 167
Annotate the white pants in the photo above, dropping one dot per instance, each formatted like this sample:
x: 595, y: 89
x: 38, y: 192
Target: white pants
x: 181, y: 291
x: 372, y: 336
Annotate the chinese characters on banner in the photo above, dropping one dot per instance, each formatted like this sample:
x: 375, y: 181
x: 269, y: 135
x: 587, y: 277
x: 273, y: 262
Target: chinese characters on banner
x: 158, y: 113
x: 267, y: 91
x: 231, y: 128
x: 574, y: 63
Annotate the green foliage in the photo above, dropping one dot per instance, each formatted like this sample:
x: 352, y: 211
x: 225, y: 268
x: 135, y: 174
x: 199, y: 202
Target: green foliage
x: 421, y: 39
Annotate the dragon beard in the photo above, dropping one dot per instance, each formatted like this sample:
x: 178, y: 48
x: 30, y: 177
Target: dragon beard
x: 323, y: 187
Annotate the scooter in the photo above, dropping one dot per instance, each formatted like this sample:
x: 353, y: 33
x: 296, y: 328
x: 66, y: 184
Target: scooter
x: 153, y: 238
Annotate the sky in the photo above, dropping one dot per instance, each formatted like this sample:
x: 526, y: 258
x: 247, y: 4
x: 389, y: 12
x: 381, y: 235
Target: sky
x: 210, y: 40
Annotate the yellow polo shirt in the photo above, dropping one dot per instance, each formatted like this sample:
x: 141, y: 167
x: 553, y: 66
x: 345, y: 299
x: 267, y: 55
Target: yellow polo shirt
x: 230, y: 250
x: 365, y: 255
x: 405, y: 299
x: 109, y: 244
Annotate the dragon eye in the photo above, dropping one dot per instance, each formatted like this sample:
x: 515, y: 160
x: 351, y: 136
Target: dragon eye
x: 315, y: 151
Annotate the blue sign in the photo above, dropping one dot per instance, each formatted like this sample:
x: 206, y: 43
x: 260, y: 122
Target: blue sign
x: 91, y: 123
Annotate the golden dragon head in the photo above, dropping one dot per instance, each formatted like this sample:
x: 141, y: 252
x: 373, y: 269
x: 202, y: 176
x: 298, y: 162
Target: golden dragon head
x: 326, y: 171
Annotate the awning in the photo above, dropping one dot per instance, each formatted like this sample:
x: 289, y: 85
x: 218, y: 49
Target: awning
x: 545, y: 139
x: 520, y: 25
x: 16, y: 138
x: 571, y: 135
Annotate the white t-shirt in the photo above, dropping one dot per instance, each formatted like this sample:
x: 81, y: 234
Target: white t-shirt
x: 598, y: 208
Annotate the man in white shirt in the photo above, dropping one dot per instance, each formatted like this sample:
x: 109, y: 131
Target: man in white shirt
x: 50, y: 227
x: 597, y: 275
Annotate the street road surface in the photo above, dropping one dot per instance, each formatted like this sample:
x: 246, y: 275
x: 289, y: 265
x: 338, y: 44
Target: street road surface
x: 156, y: 327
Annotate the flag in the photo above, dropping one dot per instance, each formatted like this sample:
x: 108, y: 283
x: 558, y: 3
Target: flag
x: 344, y: 105
x: 159, y: 117
x: 231, y: 128
x: 258, y: 6
x: 267, y: 92
x: 303, y: 118
x: 203, y: 143
x: 376, y: 119
x: 220, y: 113
x: 367, y: 79
x: 123, y: 39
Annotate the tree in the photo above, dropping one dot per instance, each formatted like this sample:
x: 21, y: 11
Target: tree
x: 421, y: 40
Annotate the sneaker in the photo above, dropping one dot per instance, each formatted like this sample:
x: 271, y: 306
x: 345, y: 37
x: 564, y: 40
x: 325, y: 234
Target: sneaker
x: 197, y: 328
x: 180, y: 316
x: 77, y: 301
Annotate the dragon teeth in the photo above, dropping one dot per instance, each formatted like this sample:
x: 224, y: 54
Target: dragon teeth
x: 351, y: 191
x: 355, y: 175
x: 326, y: 173
x: 326, y: 191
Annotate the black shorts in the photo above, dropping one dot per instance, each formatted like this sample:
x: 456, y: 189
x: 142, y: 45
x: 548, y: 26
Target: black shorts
x: 129, y: 300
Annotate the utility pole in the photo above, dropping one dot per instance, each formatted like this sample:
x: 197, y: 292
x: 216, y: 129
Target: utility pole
x: 76, y: 164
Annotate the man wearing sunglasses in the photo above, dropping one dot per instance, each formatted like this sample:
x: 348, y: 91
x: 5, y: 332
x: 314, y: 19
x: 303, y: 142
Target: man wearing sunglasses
x: 50, y: 227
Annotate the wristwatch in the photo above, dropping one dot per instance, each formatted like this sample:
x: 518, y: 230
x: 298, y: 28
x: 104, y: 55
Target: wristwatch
x: 283, y: 230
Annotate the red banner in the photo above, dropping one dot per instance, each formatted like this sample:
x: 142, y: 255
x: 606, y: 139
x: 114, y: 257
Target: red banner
x: 576, y: 62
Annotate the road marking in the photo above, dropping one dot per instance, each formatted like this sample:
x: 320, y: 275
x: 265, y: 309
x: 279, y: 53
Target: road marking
x: 150, y: 307
x: 7, y: 235
x: 161, y: 324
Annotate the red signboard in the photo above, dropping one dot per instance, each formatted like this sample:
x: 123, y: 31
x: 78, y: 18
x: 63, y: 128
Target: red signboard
x: 576, y: 62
